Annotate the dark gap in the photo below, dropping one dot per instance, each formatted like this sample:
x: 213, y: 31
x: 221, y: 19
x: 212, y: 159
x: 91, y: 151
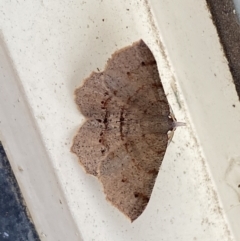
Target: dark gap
x: 227, y: 25
x: 15, y: 224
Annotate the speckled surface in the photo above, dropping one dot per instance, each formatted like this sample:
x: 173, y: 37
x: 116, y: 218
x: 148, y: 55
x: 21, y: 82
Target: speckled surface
x: 54, y: 45
x: 15, y: 224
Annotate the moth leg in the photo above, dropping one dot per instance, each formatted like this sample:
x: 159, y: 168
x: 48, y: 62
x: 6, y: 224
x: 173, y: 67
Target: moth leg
x: 175, y: 122
x: 171, y: 115
x: 170, y: 135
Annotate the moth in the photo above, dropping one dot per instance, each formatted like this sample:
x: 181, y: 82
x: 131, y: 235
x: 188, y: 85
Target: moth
x: 125, y: 135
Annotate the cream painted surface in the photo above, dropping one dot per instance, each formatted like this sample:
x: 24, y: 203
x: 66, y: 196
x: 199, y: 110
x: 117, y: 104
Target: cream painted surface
x: 53, y: 46
x: 30, y: 161
x: 203, y: 75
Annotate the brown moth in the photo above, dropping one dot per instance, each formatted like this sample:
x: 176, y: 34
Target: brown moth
x: 125, y: 135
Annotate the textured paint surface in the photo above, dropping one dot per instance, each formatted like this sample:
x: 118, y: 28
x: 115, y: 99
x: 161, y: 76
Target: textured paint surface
x: 124, y: 139
x: 59, y: 43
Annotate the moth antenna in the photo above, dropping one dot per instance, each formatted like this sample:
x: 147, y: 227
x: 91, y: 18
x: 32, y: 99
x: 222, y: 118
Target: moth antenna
x: 177, y: 124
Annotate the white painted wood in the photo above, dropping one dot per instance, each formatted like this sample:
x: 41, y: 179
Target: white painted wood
x: 29, y: 159
x: 201, y: 70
